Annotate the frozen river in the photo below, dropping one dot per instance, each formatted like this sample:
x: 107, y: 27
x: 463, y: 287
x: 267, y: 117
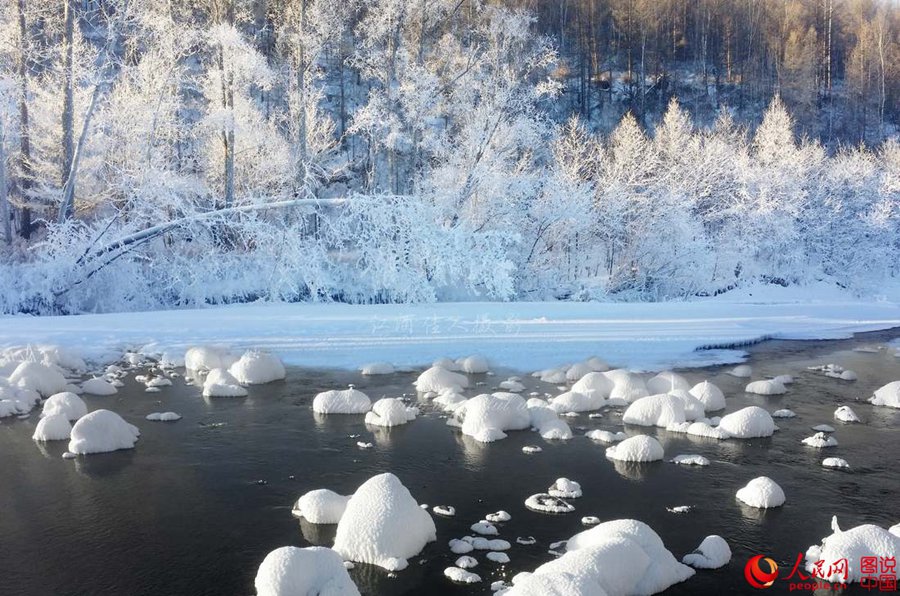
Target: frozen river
x: 195, y: 507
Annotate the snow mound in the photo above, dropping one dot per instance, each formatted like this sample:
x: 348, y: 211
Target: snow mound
x: 712, y: 553
x: 616, y: 557
x: 848, y: 375
x: 221, y: 383
x: 485, y: 417
x: 742, y: 371
x: 823, y: 428
x: 498, y: 517
x: 312, y: 571
x: 501, y: 558
x: 626, y: 388
x: 466, y: 562
x: 449, y: 400
x: 578, y: 370
x: 572, y: 401
x: 377, y: 368
x: 767, y: 387
x: 320, y: 506
x: 548, y: 504
x: 202, y: 358
x: 667, y: 381
x: 597, y: 364
x: 66, y: 403
x: 390, y: 411
x: 102, y: 431
x: 639, y: 448
x: 762, y: 493
x: 513, y: 385
x: 163, y: 417
x: 835, y: 462
x: 257, y: 368
x: 709, y: 395
x: 784, y: 379
x: 158, y: 382
x: 485, y: 528
x: 748, y: 423
x: 851, y: 545
x: 461, y: 576
x: 546, y: 421
x: 440, y: 379
x: 446, y: 364
x: 54, y: 427
x: 554, y: 376
x: 596, y: 385
x: 605, y: 436
x: 445, y: 510
x: 347, y: 401
x: 820, y: 441
x: 565, y: 489
x: 888, y: 395
x: 846, y: 414
x: 693, y: 407
x: 699, y: 429
x: 45, y: 379
x: 783, y: 414
x: 474, y: 364
x: 690, y: 460
x: 98, y: 386
x: 383, y: 525
x: 655, y: 410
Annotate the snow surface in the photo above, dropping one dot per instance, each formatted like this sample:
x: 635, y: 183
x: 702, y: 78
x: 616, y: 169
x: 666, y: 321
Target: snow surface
x: 312, y: 571
x: 712, y: 553
x: 519, y: 335
x: 66, y: 403
x: 102, y: 431
x: 762, y: 493
x: 639, y: 448
x: 390, y: 411
x: 383, y: 525
x: 54, y: 427
x: 347, y: 401
x: 853, y: 544
x: 616, y: 557
x: 321, y: 506
x: 257, y: 368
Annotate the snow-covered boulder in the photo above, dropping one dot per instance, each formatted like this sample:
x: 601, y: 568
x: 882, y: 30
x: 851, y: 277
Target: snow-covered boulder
x: 554, y: 376
x: 383, y: 525
x: 597, y: 364
x: 594, y: 384
x: 546, y: 503
x: 546, y: 422
x: 693, y: 407
x: 377, y: 368
x: 163, y: 417
x: 440, y: 379
x: 742, y: 371
x: 848, y: 375
x: 655, y: 410
x: 202, y: 358
x: 850, y: 547
x: 690, y: 459
x: 102, y: 431
x: 572, y: 401
x: 257, y: 368
x: 627, y: 388
x: 578, y: 370
x: 221, y: 383
x: 699, y: 429
x: 66, y: 403
x: 835, y: 462
x: 446, y: 364
x: 461, y: 576
x: 667, y: 381
x: 709, y: 395
x: 513, y: 384
x: 846, y: 414
x: 347, y: 401
x: 766, y: 387
x: 783, y: 379
x: 474, y: 364
x: 762, y: 493
x: 449, y: 400
x: 321, y: 506
x: 605, y: 436
x: 888, y: 395
x: 565, y: 489
x: 54, y: 427
x: 311, y: 571
x: 98, y: 386
x: 820, y: 441
x: 485, y: 417
x: 785, y: 413
x: 712, y: 553
x: 390, y: 411
x: 616, y: 557
x: 639, y: 448
x: 42, y: 378
x: 748, y: 423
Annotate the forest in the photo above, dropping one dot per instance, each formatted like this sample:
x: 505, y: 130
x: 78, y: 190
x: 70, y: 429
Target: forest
x: 160, y: 154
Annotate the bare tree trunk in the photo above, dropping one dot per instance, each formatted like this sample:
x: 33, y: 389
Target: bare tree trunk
x: 4, y: 203
x: 68, y: 111
x: 227, y: 83
x: 67, y: 208
x: 301, y: 84
x: 24, y: 138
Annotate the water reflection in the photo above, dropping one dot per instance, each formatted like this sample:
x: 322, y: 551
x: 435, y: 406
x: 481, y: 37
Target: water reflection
x: 318, y: 534
x: 104, y: 465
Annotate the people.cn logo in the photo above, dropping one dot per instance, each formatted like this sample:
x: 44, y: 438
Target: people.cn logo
x: 757, y: 574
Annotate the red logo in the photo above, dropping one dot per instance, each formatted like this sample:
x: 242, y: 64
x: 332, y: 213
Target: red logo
x: 756, y: 573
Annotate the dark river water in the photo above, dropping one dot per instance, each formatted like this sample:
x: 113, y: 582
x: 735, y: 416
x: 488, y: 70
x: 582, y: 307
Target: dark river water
x: 184, y: 514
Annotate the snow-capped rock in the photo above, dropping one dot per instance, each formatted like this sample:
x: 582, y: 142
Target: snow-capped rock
x: 98, y: 386
x: 667, y: 381
x: 742, y: 371
x: 887, y: 395
x: 712, y: 553
x: 572, y: 401
x: 221, y: 383
x: 54, y: 427
x: 102, y: 431
x: 605, y: 436
x: 377, y: 368
x: 766, y: 387
x: 390, y: 411
x: 440, y: 379
x: 45, y: 379
x: 320, y: 506
x: 461, y: 576
x: 655, y: 410
x: 690, y: 460
x: 627, y: 388
x: 578, y: 370
x: 709, y: 395
x: 474, y: 364
x: 748, y: 423
x: 846, y: 414
x: 312, y: 571
x: 485, y: 417
x: 785, y: 413
x: 383, y: 525
x: 639, y: 448
x: 66, y: 403
x: 347, y: 401
x: 565, y: 489
x: 835, y: 462
x: 548, y: 504
x: 762, y: 493
x: 820, y: 441
x: 257, y: 368
x: 596, y: 385
x: 851, y: 546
